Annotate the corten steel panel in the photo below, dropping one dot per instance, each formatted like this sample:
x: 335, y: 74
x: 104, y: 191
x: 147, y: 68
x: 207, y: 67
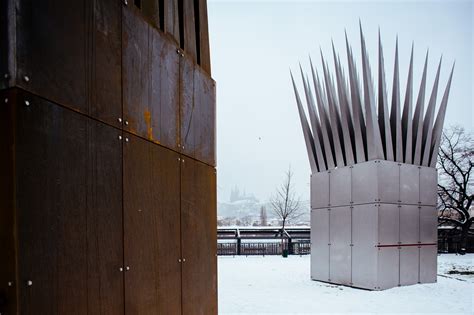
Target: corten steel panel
x: 51, y: 189
x: 409, y: 184
x: 7, y: 43
x: 428, y: 264
x: 409, y: 224
x: 320, y: 190
x: 199, y: 238
x: 388, y: 267
x: 7, y: 202
x: 204, y: 37
x: 340, y: 249
x: 364, y: 251
x: 197, y: 113
x: 171, y: 17
x: 104, y: 220
x: 136, y: 73
x: 409, y: 265
x: 340, y: 187
x: 428, y: 186
x: 388, y: 225
x: 189, y: 24
x: 428, y: 224
x: 52, y: 37
x: 150, y: 10
x: 364, y: 182
x: 161, y: 120
x: 106, y: 82
x: 151, y: 228
x: 319, y: 244
x: 388, y: 181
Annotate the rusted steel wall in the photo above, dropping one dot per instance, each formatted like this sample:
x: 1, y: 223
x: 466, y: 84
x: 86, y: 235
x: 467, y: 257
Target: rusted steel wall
x: 108, y: 185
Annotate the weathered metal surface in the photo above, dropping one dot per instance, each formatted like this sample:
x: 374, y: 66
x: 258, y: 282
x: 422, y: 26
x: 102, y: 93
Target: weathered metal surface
x: 204, y: 55
x: 161, y: 121
x: 340, y: 245
x: 189, y: 34
x: 320, y: 244
x: 51, y: 50
x: 106, y: 67
x: 7, y: 205
x: 197, y: 113
x: 80, y: 204
x: 151, y: 228
x: 171, y: 19
x: 198, y: 217
x: 150, y: 83
x: 320, y: 190
x: 364, y: 252
x: 51, y: 193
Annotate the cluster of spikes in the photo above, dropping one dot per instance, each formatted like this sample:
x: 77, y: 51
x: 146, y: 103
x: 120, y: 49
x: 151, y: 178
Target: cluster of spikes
x: 346, y: 128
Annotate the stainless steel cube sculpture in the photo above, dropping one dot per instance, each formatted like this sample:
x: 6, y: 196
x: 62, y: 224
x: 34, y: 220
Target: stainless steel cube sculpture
x: 374, y: 181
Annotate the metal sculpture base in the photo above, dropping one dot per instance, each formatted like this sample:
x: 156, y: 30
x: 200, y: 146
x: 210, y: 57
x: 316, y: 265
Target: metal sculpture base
x: 374, y: 225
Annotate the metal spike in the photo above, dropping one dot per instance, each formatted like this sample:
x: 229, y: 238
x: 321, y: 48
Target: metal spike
x: 357, y: 115
x: 395, y: 114
x: 407, y: 123
x: 315, y: 125
x: 418, y: 117
x: 438, y: 126
x: 428, y: 121
x: 308, y: 137
x: 383, y: 115
x: 374, y: 143
x: 325, y: 127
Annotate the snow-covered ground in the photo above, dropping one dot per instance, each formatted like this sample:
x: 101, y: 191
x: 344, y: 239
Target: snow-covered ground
x: 275, y: 285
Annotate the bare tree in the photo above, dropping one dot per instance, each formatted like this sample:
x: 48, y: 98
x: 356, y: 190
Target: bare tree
x: 455, y: 185
x: 285, y: 204
x: 263, y: 216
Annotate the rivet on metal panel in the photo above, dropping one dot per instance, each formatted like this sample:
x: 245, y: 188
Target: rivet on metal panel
x: 6, y: 75
x: 6, y: 100
x: 10, y: 284
x: 179, y: 159
x: 120, y: 137
x: 26, y: 78
x: 126, y: 122
x: 27, y: 103
x: 126, y: 140
x: 121, y: 269
x: 29, y: 283
x: 184, y: 259
x: 119, y: 120
x: 182, y: 160
x: 125, y: 2
x: 183, y: 147
x: 128, y: 268
x: 179, y: 260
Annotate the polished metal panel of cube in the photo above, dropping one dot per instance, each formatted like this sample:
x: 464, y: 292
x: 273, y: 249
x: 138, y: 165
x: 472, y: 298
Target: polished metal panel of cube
x: 339, y: 248
x: 428, y: 263
x: 320, y: 190
x: 381, y: 228
x: 409, y: 184
x: 320, y: 244
x: 340, y: 187
x: 409, y: 262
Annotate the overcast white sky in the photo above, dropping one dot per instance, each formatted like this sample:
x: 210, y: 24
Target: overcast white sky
x: 255, y: 43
